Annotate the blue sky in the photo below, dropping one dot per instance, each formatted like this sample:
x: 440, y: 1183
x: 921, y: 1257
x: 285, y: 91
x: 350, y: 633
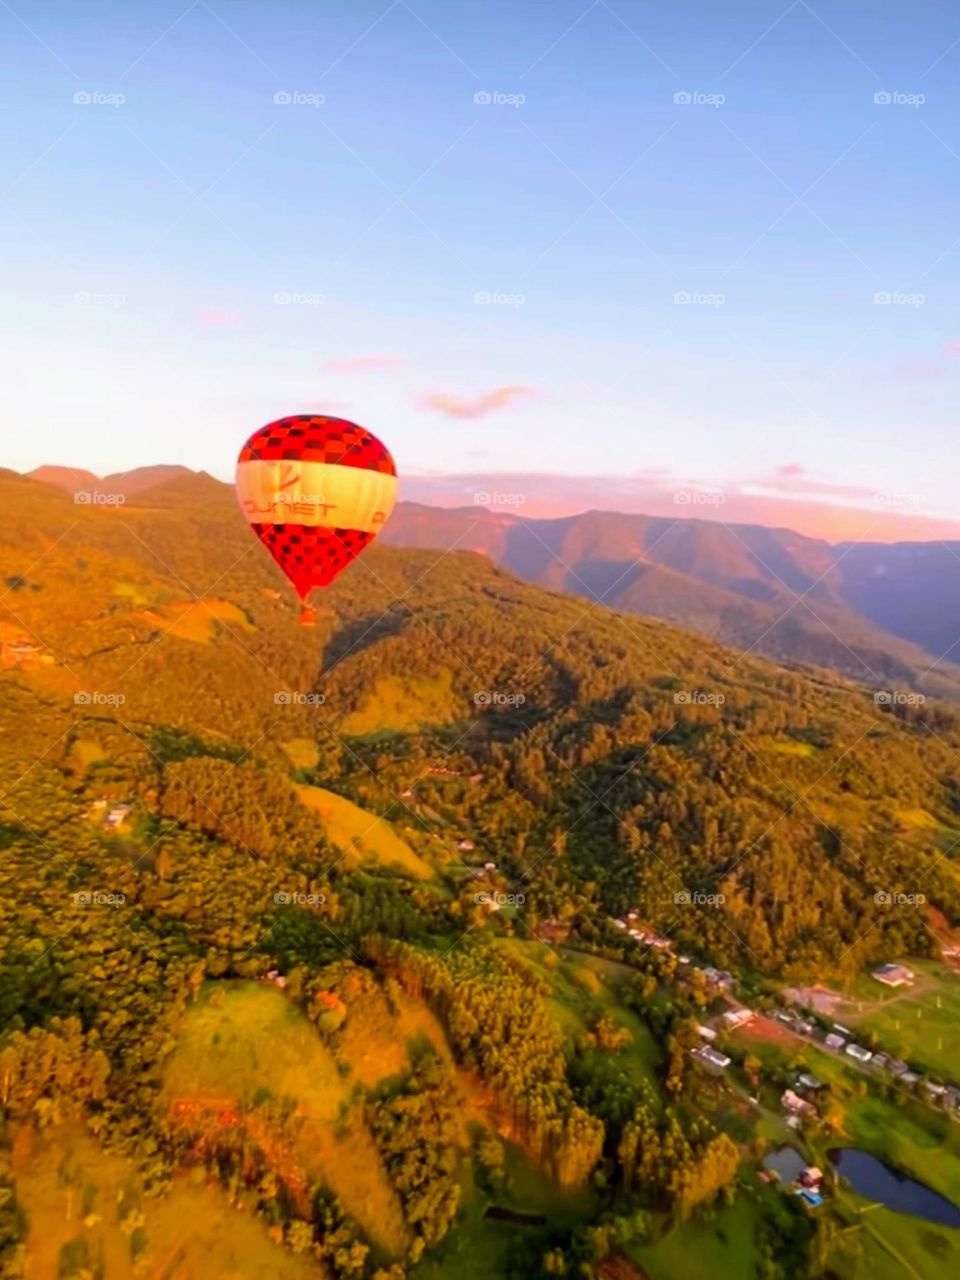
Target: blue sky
x: 146, y: 235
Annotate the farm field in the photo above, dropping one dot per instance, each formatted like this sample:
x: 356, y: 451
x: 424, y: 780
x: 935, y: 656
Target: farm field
x: 362, y: 836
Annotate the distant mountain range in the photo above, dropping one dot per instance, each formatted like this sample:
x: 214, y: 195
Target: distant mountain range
x: 885, y: 614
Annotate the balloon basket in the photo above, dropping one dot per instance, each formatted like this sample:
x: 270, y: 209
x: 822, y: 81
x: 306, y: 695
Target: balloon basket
x: 308, y: 615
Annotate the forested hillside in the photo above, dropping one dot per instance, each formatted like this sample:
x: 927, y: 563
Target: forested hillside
x: 422, y: 819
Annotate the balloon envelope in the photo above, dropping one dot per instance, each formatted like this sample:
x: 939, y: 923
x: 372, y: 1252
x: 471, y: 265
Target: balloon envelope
x: 316, y: 491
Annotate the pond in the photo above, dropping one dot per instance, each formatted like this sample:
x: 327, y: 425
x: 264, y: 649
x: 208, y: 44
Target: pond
x: 875, y: 1180
x: 786, y: 1163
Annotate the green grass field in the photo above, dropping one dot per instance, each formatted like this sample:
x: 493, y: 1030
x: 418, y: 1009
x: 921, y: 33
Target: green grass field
x: 722, y: 1247
x: 921, y: 1023
x: 403, y: 704
x: 362, y: 836
x: 242, y: 1039
x: 76, y: 1195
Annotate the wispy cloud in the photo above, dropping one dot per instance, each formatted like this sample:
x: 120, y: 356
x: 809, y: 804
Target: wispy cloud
x: 361, y: 364
x: 480, y: 406
x: 217, y: 318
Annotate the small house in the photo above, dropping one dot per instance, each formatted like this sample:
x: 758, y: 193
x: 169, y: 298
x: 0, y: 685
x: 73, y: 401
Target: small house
x: 893, y: 975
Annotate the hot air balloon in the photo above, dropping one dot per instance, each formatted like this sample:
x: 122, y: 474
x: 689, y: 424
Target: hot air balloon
x: 316, y: 491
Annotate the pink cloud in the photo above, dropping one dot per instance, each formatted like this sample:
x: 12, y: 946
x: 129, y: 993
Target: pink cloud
x: 792, y: 479
x: 355, y: 364
x: 479, y: 407
x: 215, y: 318
x: 952, y: 348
